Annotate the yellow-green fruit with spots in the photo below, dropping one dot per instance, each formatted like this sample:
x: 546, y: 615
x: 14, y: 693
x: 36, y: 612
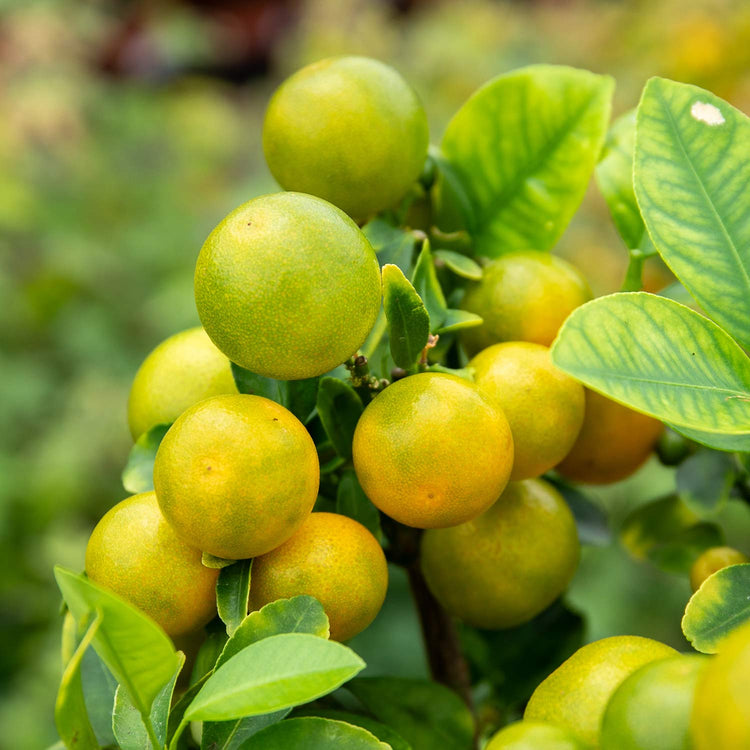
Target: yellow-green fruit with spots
x: 236, y: 476
x: 505, y: 566
x: 336, y: 560
x: 713, y: 559
x: 134, y: 552
x: 534, y: 735
x: 348, y: 129
x: 287, y: 286
x: 523, y: 296
x: 544, y: 406
x: 183, y: 370
x: 433, y: 450
x: 576, y: 694
x: 721, y: 711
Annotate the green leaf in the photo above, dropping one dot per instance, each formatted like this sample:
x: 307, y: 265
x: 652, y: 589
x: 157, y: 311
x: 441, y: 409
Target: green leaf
x: 391, y: 244
x: 231, y: 735
x: 275, y: 673
x: 296, y: 395
x: 660, y: 358
x: 455, y: 320
x: 425, y: 282
x: 614, y: 175
x: 321, y: 734
x: 232, y: 592
x: 591, y: 520
x: 692, y: 169
x: 135, y: 649
x: 351, y: 501
x: 177, y: 723
x: 704, y: 481
x: 678, y: 554
x: 408, y: 319
x: 99, y: 688
x: 717, y: 608
x: 714, y: 440
x: 339, y: 408
x: 216, y: 563
x: 208, y: 655
x: 461, y: 265
x: 524, y: 146
x: 384, y: 733
x: 71, y: 716
x: 129, y: 729
x: 425, y: 714
x: 138, y: 474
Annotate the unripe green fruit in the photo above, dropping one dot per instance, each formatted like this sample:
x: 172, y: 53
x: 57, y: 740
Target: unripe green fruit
x: 348, y: 129
x: 534, y: 735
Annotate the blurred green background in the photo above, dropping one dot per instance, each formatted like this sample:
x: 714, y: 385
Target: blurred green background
x: 128, y: 130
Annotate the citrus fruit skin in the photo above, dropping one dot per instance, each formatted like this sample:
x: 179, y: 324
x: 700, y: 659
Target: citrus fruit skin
x: 236, y: 475
x: 287, y: 286
x: 613, y: 443
x: 576, y: 694
x: 522, y: 296
x: 721, y: 710
x: 348, y: 129
x: 505, y: 566
x: 651, y: 708
x: 544, y: 406
x: 134, y: 552
x: 713, y: 559
x: 432, y: 450
x: 182, y: 370
x: 333, y: 558
x: 534, y: 735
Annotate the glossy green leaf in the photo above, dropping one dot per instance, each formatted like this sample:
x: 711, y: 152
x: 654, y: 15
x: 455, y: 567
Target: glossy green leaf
x: 717, y: 608
x: 461, y: 265
x: 138, y: 474
x: 339, y: 408
x: 232, y: 592
x: 99, y: 688
x: 391, y: 244
x: 177, y: 722
x: 274, y: 673
x: 71, y: 715
x: 715, y: 440
x: 231, y: 735
x: 427, y: 715
x: 306, y: 733
x: 384, y: 733
x: 704, y: 481
x: 692, y: 169
x: 208, y: 654
x: 408, y: 319
x: 216, y: 563
x: 351, y: 501
x: 455, y: 320
x: 135, y: 649
x: 661, y: 358
x: 129, y: 729
x: 524, y: 146
x: 425, y: 282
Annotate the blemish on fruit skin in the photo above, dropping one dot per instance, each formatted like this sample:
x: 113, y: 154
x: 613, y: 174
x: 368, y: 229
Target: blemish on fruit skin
x: 708, y: 113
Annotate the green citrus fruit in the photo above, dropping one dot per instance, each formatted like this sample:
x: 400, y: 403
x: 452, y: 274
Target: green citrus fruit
x: 433, y: 450
x: 721, y: 711
x: 534, y: 735
x: 613, y: 442
x: 347, y: 129
x: 182, y: 370
x: 544, y: 406
x: 523, y: 296
x: 576, y: 694
x: 651, y: 708
x: 505, y: 566
x: 134, y: 552
x: 236, y: 475
x: 336, y: 560
x: 713, y: 559
x: 287, y: 286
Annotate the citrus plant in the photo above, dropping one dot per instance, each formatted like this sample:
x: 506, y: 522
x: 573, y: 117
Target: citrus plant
x: 376, y: 385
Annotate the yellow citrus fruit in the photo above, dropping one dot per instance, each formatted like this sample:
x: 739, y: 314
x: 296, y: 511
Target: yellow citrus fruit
x: 613, y: 442
x: 544, y: 406
x: 523, y: 296
x: 182, y: 370
x: 721, y: 711
x: 534, y: 735
x: 432, y: 450
x: 711, y: 560
x: 236, y: 475
x: 505, y: 566
x: 134, y: 552
x: 348, y: 129
x: 336, y: 560
x: 287, y: 286
x: 577, y: 692
x: 651, y: 708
